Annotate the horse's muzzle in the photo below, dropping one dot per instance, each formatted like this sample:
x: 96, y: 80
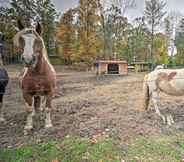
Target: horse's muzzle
x: 31, y: 62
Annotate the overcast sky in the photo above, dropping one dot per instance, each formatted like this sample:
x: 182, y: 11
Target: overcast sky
x: 172, y: 5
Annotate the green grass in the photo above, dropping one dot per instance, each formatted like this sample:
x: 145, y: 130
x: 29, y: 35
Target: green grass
x: 155, y: 149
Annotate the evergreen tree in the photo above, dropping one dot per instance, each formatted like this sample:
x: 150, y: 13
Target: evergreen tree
x: 7, y: 29
x: 168, y: 27
x: 30, y: 11
x: 154, y: 14
x: 180, y: 43
x: 46, y: 14
x: 25, y: 10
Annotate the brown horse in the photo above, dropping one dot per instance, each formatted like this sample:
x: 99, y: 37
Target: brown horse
x: 39, y: 77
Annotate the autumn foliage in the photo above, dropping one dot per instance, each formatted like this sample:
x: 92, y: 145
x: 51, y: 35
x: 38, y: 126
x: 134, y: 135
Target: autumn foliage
x: 66, y: 33
x: 77, y: 33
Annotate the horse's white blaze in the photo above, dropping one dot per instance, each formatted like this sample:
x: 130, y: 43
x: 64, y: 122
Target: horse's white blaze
x: 28, y: 48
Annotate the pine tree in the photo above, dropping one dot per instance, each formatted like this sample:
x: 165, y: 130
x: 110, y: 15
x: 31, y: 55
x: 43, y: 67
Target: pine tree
x: 180, y: 43
x: 25, y: 10
x: 46, y: 14
x: 168, y: 27
x: 154, y: 14
x: 30, y: 11
x: 7, y: 29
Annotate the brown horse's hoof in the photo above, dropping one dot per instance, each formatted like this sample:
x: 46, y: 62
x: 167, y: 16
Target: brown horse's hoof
x: 170, y: 120
x: 2, y: 120
x: 28, y: 130
x: 47, y: 126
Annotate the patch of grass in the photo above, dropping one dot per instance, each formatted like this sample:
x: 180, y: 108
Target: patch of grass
x: 30, y: 153
x: 69, y: 150
x: 78, y: 150
x: 155, y: 149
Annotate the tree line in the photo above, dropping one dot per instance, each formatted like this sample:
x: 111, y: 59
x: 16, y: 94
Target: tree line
x: 99, y: 29
x: 29, y: 12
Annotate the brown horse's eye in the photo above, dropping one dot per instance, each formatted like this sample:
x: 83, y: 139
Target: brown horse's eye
x: 38, y: 45
x: 22, y: 43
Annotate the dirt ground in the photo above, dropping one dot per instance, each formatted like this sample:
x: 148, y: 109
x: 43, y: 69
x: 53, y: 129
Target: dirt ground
x: 86, y: 106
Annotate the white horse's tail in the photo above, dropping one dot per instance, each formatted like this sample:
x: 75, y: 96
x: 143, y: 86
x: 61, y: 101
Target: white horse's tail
x: 146, y: 96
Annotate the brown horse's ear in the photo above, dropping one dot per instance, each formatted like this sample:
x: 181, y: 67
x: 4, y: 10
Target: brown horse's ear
x: 39, y: 28
x: 20, y: 25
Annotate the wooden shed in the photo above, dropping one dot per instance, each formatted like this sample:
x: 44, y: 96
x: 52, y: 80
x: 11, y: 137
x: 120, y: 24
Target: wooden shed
x: 111, y: 67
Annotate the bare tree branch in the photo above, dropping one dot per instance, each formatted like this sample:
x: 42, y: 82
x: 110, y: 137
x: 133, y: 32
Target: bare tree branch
x: 124, y: 4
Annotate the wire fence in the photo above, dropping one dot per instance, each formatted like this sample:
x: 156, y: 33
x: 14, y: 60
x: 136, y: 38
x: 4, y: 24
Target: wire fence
x: 13, y: 95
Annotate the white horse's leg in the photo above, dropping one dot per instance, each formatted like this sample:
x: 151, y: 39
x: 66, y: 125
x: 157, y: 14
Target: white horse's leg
x: 168, y: 119
x: 48, y: 121
x: 155, y: 99
x: 2, y: 119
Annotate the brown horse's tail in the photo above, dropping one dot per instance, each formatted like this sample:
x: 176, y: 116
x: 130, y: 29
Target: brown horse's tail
x: 146, y: 96
x: 37, y: 102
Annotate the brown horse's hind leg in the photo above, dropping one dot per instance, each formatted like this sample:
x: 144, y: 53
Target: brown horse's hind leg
x: 48, y: 121
x: 30, y: 112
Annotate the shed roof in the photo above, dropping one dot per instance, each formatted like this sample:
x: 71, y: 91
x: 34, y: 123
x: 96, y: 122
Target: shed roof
x: 112, y: 61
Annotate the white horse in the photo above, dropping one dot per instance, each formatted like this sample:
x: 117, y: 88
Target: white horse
x: 168, y: 81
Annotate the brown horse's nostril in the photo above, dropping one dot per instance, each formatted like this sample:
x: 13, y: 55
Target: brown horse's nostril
x: 22, y: 59
x: 34, y: 59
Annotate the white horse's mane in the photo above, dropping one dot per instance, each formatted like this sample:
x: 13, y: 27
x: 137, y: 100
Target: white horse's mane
x: 159, y: 67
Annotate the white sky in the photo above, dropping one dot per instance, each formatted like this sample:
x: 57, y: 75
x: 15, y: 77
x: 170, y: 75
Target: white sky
x: 172, y: 5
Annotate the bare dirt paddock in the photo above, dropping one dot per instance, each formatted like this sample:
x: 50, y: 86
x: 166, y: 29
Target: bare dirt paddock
x: 86, y: 106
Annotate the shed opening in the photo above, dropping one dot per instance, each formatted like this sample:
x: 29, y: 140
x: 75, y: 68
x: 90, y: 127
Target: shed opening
x: 113, y: 69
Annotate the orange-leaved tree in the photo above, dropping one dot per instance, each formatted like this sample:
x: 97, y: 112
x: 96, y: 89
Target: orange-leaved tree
x: 88, y: 25
x: 66, y: 35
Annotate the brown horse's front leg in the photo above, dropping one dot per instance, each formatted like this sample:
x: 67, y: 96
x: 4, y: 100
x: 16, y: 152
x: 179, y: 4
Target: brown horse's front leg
x: 2, y: 119
x: 30, y: 112
x: 48, y: 121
